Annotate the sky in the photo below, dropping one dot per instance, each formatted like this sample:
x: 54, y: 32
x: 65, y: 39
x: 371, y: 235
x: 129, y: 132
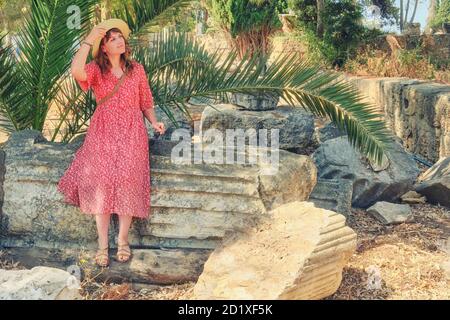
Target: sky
x: 421, y: 13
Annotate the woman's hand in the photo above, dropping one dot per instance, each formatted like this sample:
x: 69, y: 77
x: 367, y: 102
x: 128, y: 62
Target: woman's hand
x: 79, y: 61
x: 96, y: 32
x: 159, y: 127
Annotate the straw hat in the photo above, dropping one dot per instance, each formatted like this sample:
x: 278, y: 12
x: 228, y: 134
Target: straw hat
x: 109, y: 24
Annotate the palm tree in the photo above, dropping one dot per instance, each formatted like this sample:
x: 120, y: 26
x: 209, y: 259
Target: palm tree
x: 31, y: 81
x: 179, y: 69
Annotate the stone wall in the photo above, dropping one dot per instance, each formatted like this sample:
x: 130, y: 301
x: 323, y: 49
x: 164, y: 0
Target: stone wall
x: 417, y: 111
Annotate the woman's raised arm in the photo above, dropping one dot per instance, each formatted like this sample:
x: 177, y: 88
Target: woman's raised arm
x: 79, y: 60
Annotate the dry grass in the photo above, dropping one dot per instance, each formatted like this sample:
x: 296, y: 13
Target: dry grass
x: 125, y: 292
x: 409, y: 256
x: 9, y: 264
x: 405, y: 63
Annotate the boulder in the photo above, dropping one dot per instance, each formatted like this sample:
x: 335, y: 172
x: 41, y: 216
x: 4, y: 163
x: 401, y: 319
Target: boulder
x: 435, y: 183
x: 295, y: 125
x: 193, y: 204
x: 257, y: 101
x: 327, y: 132
x: 337, y: 159
x: 38, y: 283
x: 334, y: 195
x: 294, y: 181
x: 297, y: 252
x: 390, y: 213
x: 147, y: 266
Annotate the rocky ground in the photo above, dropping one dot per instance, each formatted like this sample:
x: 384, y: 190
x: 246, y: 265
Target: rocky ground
x: 412, y: 258
x: 412, y: 261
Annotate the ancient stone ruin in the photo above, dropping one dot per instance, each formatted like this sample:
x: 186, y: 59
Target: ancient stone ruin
x: 235, y: 231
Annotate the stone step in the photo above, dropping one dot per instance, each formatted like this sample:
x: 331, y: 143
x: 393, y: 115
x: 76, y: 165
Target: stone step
x: 207, y: 201
x: 150, y: 266
x: 199, y: 224
x: 164, y: 181
x: 243, y: 172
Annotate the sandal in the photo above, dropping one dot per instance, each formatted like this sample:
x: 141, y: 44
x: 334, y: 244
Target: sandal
x: 123, y: 252
x: 102, y: 258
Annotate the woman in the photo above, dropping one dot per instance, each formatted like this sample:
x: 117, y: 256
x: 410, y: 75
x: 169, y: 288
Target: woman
x: 110, y: 172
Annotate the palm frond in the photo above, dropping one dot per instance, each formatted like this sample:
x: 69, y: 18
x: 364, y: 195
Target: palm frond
x: 8, y: 82
x: 75, y: 108
x: 142, y: 14
x: 47, y: 45
x: 195, y: 74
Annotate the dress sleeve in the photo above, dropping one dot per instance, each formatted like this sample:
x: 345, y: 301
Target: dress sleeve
x: 145, y: 93
x: 92, y: 72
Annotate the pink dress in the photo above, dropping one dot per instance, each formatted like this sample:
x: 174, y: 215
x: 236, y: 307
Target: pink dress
x: 110, y: 172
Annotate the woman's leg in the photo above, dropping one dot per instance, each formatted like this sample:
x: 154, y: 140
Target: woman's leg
x: 124, y: 227
x: 123, y: 252
x: 102, y: 229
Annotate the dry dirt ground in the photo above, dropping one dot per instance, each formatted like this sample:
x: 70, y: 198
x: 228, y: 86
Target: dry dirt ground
x: 411, y: 261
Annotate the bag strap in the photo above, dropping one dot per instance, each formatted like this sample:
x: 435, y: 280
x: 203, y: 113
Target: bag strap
x: 116, y: 87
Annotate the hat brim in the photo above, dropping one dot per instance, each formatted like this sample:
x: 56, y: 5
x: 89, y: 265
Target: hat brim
x: 109, y: 24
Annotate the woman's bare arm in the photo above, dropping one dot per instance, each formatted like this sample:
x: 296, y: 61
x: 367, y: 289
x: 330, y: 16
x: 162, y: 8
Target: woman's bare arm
x: 79, y: 60
x: 149, y: 113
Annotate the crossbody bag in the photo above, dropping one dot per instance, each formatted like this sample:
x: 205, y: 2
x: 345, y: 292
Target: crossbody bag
x: 114, y: 90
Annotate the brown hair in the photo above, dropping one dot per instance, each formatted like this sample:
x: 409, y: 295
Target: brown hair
x: 103, y: 60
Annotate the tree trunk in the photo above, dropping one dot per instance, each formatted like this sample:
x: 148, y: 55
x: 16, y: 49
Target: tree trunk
x: 406, y: 13
x: 431, y: 14
x: 320, y: 7
x: 414, y: 11
x: 401, y: 16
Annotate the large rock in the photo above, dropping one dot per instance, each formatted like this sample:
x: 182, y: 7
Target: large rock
x: 390, y: 213
x: 39, y: 283
x: 295, y: 180
x: 256, y: 101
x: 193, y: 205
x: 334, y: 195
x: 435, y: 183
x: 156, y: 266
x: 295, y: 125
x: 327, y: 132
x: 337, y: 159
x: 32, y: 207
x: 297, y: 252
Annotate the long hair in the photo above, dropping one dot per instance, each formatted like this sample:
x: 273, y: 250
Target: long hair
x: 103, y: 60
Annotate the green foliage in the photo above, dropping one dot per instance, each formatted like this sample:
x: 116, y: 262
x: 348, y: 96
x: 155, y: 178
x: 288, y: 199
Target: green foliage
x: 11, y: 13
x: 442, y: 14
x: 306, y: 11
x: 151, y: 16
x: 32, y: 80
x: 240, y: 16
x: 194, y: 73
x: 343, y: 31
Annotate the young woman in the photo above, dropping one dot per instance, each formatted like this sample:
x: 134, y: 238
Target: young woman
x: 110, y: 172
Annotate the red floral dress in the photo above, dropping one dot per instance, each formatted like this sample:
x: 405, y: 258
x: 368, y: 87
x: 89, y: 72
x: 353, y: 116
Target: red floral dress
x: 110, y: 172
